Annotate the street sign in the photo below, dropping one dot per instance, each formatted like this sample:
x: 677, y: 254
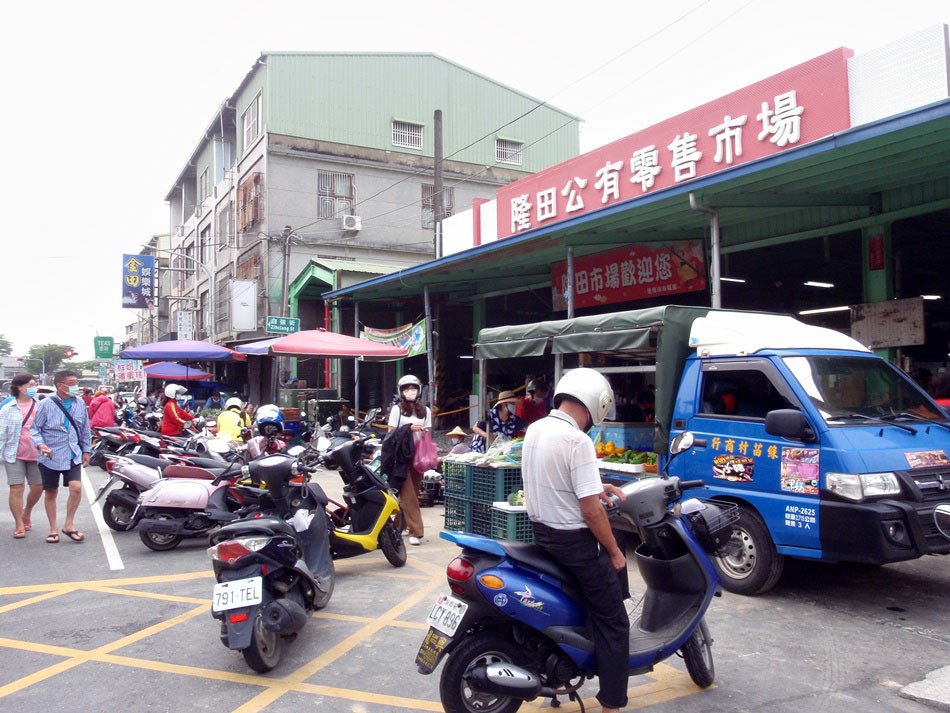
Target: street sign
x: 186, y: 324
x: 103, y: 347
x: 282, y: 325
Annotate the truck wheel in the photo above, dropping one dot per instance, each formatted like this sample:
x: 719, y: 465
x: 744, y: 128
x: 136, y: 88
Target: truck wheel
x: 697, y: 653
x: 456, y: 692
x: 753, y: 566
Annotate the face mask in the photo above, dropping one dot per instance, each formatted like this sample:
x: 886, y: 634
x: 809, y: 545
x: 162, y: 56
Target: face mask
x: 31, y: 391
x: 75, y: 390
x: 410, y: 394
x: 512, y: 408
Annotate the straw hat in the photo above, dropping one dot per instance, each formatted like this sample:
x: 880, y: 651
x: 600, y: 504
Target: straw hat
x: 506, y: 397
x: 457, y: 432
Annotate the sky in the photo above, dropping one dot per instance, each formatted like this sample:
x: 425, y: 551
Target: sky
x: 106, y: 100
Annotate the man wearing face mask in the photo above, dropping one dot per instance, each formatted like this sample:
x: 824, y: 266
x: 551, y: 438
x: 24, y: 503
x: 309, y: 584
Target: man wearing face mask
x: 61, y: 434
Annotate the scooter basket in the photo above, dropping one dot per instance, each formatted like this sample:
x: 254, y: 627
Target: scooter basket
x: 712, y: 526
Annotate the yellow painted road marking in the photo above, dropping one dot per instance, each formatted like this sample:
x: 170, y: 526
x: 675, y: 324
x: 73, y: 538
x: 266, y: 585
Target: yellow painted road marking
x: 147, y: 595
x: 33, y: 600
x: 129, y: 582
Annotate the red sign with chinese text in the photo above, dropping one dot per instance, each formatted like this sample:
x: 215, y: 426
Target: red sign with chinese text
x: 876, y: 252
x: 794, y: 107
x: 633, y: 272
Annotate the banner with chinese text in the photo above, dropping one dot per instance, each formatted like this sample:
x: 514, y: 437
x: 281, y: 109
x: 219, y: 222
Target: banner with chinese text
x: 127, y: 370
x: 633, y: 272
x: 138, y: 281
x: 789, y: 109
x: 409, y: 336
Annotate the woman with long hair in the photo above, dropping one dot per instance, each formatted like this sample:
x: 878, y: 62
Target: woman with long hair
x: 410, y: 410
x: 19, y: 452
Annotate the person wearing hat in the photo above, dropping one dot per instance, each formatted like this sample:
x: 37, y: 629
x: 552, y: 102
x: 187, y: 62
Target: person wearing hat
x: 457, y: 436
x: 502, y: 419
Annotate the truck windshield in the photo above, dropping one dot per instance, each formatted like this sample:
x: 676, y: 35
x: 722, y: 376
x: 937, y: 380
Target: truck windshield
x: 853, y: 389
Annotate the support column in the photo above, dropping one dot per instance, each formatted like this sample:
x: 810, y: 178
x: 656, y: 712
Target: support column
x: 877, y: 271
x: 479, y: 375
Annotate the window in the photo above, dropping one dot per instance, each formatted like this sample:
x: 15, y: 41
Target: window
x: 335, y: 194
x: 251, y: 121
x: 204, y: 185
x: 223, y: 226
x: 407, y: 135
x: 250, y: 201
x: 742, y: 392
x: 508, y: 151
x: 222, y: 301
x: 204, y: 243
x: 428, y: 204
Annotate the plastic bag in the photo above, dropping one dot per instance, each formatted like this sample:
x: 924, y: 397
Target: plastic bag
x: 426, y: 456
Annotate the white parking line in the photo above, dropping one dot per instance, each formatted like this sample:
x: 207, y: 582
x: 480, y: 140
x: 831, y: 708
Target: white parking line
x: 108, y: 543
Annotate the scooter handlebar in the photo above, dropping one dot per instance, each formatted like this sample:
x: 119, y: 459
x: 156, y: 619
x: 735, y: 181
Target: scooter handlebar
x: 687, y: 484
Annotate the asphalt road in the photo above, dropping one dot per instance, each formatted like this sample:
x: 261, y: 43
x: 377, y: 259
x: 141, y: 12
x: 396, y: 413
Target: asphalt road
x: 108, y: 622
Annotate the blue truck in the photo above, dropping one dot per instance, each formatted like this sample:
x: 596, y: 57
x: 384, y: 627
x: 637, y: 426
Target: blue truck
x: 831, y: 452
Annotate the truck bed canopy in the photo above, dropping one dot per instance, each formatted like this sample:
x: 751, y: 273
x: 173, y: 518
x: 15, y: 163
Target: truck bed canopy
x: 658, y: 332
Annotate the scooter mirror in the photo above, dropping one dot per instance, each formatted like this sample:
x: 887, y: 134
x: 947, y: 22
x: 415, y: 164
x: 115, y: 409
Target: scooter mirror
x: 681, y: 442
x: 296, y: 450
x: 942, y: 519
x: 321, y: 443
x: 218, y: 445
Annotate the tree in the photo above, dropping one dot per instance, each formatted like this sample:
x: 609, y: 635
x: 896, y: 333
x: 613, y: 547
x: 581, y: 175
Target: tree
x: 5, y: 346
x: 47, y: 357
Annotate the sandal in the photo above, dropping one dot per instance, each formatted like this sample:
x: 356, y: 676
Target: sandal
x: 52, y: 538
x: 19, y: 534
x: 74, y: 535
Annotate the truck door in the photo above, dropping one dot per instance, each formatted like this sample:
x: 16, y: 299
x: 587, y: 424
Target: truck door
x: 777, y: 476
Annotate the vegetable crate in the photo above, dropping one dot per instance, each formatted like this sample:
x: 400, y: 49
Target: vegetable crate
x: 457, y: 478
x: 467, y: 516
x: 510, y: 522
x: 489, y: 485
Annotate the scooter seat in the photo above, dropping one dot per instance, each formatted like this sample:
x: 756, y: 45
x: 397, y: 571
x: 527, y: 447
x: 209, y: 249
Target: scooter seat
x: 212, y: 463
x: 149, y: 461
x: 186, y: 471
x: 536, y: 557
x: 256, y: 525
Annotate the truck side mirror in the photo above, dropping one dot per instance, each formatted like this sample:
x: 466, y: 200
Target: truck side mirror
x: 789, y: 423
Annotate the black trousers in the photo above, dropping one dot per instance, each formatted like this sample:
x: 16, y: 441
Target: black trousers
x: 579, y: 552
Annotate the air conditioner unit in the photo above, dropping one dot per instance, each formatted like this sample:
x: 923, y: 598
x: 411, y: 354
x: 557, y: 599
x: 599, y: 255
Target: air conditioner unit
x: 351, y: 222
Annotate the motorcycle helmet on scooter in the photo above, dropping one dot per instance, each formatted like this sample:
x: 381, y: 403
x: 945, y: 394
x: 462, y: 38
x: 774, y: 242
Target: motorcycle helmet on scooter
x: 269, y: 420
x: 591, y: 388
x: 173, y: 391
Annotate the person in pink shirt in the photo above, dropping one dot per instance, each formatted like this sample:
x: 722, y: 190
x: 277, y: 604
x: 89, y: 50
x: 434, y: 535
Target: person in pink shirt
x: 19, y: 452
x: 101, y: 411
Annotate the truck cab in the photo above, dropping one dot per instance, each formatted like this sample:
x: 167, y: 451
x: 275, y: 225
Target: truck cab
x: 830, y: 451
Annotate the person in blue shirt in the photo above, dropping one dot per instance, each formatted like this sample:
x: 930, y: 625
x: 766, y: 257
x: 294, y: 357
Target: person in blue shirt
x: 216, y: 400
x: 61, y: 434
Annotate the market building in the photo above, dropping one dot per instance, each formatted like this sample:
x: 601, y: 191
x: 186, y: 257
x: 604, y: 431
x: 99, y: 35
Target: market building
x: 317, y: 172
x: 822, y: 191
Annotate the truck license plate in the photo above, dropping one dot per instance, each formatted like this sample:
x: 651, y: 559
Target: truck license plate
x: 239, y: 593
x: 446, y: 614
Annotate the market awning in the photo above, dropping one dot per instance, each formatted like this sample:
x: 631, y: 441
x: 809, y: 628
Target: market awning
x: 178, y: 372
x: 321, y: 343
x: 182, y: 350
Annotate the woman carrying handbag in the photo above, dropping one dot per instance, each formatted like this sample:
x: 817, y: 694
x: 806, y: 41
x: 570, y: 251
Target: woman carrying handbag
x: 409, y: 409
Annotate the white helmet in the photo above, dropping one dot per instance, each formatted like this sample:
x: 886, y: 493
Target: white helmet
x: 173, y: 391
x: 233, y: 401
x: 592, y: 389
x: 409, y: 380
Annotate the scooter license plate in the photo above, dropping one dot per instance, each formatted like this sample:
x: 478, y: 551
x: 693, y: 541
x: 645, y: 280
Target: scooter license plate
x: 446, y: 614
x: 239, y: 593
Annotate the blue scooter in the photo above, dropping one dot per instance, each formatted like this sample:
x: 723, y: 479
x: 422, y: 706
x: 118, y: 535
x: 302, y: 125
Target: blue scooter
x: 514, y: 628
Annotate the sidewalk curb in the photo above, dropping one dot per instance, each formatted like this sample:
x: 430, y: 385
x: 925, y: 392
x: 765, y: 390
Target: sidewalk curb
x: 933, y: 691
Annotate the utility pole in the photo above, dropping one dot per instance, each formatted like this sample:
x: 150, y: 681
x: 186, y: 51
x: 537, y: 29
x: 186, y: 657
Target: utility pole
x: 437, y: 201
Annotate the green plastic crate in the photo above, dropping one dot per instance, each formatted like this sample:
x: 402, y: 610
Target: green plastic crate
x: 481, y: 519
x: 489, y: 485
x: 457, y: 478
x: 458, y: 513
x: 511, y: 525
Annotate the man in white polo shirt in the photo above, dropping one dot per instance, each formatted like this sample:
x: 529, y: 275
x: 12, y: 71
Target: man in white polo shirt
x: 563, y: 494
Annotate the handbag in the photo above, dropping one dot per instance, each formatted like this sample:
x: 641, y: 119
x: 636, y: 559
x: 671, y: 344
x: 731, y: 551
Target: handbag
x: 426, y: 456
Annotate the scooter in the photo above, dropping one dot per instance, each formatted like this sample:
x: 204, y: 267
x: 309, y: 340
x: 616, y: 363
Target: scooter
x: 186, y: 503
x: 369, y: 518
x: 138, y: 473
x: 513, y: 627
x: 272, y: 574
